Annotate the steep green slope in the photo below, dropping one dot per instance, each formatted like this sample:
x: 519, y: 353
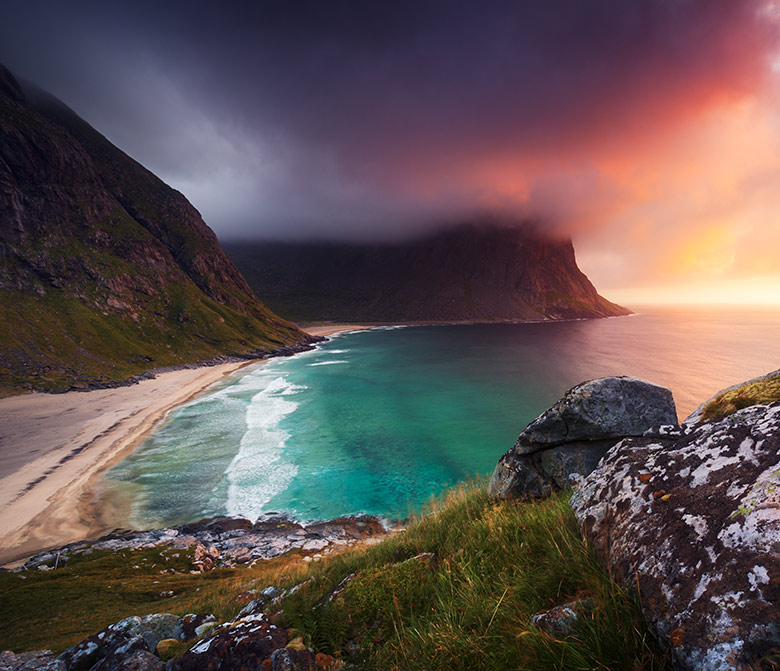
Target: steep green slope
x: 105, y: 271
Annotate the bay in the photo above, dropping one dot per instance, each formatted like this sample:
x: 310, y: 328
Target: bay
x: 379, y: 421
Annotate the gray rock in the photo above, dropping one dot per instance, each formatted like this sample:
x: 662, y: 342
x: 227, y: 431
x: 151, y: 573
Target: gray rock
x: 569, y: 439
x: 566, y: 620
x: 693, y: 522
x: 37, y: 660
x: 517, y: 477
x: 132, y: 656
x: 559, y: 463
x: 292, y: 659
x: 154, y: 628
x: 609, y: 407
x: 130, y: 643
x: 140, y: 661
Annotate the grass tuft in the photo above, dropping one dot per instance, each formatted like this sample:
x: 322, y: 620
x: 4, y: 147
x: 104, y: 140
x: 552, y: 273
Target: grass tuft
x: 753, y: 393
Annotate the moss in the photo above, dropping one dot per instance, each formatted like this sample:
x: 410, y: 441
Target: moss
x: 752, y: 393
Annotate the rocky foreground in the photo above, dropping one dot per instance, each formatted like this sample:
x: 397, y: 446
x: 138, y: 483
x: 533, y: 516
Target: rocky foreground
x: 689, y: 515
x: 228, y: 541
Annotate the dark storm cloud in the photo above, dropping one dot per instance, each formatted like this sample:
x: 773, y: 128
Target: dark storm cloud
x: 367, y: 118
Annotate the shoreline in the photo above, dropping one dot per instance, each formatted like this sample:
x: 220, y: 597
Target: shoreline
x: 49, y: 494
x: 49, y: 501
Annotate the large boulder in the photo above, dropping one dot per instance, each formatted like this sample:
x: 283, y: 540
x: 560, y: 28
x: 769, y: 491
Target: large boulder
x: 609, y: 407
x: 693, y: 522
x: 572, y: 436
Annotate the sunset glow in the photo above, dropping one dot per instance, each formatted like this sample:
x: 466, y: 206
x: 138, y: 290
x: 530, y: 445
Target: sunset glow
x: 647, y: 131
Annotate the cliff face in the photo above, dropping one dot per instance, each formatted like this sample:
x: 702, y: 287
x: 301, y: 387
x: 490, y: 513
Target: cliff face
x: 469, y: 273
x: 105, y: 271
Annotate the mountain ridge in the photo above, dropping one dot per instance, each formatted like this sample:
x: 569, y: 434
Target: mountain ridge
x: 105, y: 271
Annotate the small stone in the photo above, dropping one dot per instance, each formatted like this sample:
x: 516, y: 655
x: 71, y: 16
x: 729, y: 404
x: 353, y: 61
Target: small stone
x: 166, y: 646
x: 563, y: 621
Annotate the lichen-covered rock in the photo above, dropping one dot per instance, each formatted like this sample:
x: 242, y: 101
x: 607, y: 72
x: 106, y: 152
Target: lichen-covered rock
x: 244, y: 643
x: 38, y: 660
x: 609, y: 407
x: 131, y: 642
x: 694, y: 522
x: 293, y: 658
x: 130, y: 660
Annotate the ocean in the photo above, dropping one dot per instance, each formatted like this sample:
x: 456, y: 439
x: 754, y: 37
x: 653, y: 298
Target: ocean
x: 380, y: 421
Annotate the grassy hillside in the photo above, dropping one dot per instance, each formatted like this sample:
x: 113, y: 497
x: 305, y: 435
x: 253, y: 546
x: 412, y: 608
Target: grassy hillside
x: 105, y: 271
x: 468, y: 606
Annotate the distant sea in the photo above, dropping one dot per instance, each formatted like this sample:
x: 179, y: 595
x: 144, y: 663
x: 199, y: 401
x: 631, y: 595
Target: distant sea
x: 379, y: 421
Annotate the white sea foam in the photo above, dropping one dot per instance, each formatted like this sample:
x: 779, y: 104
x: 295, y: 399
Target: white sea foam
x: 259, y: 472
x: 328, y: 363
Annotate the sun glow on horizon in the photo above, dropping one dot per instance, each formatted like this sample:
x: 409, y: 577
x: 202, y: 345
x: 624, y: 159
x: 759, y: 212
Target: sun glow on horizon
x: 748, y: 292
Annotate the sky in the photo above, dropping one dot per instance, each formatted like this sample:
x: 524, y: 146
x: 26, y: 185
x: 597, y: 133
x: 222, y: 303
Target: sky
x: 647, y: 130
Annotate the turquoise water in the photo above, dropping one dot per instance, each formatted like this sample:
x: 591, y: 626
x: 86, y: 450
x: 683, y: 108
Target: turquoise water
x: 379, y: 421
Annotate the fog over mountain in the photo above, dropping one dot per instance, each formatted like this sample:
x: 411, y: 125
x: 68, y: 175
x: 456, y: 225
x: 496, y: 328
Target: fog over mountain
x: 632, y: 126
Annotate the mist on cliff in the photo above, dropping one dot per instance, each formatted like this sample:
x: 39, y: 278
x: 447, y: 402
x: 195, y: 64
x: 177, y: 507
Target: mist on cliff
x: 635, y: 127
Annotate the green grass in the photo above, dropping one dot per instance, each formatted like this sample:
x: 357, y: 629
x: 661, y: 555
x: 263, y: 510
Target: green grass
x: 496, y: 564
x: 752, y: 393
x: 57, y: 609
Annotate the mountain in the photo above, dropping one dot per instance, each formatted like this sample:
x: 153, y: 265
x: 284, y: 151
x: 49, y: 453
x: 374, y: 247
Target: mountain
x: 105, y: 271
x: 472, y: 272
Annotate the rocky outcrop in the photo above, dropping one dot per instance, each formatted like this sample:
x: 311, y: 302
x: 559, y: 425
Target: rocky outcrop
x: 105, y: 271
x: 693, y: 522
x: 486, y: 270
x: 227, y: 541
x: 573, y: 435
x: 131, y: 643
x: 249, y: 641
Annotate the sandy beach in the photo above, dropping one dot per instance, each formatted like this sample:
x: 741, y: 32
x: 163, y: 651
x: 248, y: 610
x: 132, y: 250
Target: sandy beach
x: 331, y: 329
x: 55, y: 447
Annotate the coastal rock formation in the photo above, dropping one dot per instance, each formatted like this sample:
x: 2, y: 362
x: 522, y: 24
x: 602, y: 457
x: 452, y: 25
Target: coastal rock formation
x: 574, y: 434
x: 486, y: 270
x: 105, y: 271
x: 227, y: 541
x: 693, y: 521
